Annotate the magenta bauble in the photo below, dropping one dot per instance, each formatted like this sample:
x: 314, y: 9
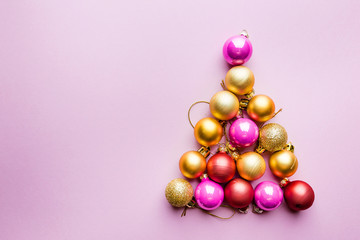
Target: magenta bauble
x: 237, y: 50
x: 243, y: 132
x: 208, y: 194
x: 268, y: 195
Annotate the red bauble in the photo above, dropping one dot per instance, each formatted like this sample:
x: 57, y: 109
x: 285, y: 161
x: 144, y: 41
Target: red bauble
x: 299, y: 195
x: 221, y: 167
x: 239, y: 193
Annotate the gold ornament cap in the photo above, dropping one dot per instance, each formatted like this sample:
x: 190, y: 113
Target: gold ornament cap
x: 179, y: 192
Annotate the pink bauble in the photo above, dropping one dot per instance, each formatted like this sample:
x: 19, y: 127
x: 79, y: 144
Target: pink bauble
x: 243, y: 132
x: 268, y: 195
x: 208, y: 194
x: 237, y: 50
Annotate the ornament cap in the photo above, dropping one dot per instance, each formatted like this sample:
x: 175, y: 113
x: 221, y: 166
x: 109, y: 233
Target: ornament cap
x: 290, y: 147
x: 259, y: 149
x: 284, y: 182
x: 244, y: 33
x: 204, y: 177
x: 244, y: 210
x: 205, y: 151
x: 230, y: 146
x: 250, y: 94
x: 243, y: 103
x: 256, y: 209
x: 222, y: 148
x: 235, y: 156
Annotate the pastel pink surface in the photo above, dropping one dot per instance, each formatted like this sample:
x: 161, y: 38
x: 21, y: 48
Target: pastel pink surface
x: 94, y: 97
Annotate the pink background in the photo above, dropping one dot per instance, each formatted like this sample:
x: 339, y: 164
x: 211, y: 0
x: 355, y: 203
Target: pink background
x: 93, y: 103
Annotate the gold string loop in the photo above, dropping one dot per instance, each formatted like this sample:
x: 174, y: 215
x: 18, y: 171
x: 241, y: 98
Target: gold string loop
x: 213, y: 215
x: 191, y: 108
x: 193, y: 204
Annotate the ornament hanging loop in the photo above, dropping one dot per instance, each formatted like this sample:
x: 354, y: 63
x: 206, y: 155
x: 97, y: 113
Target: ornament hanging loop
x: 192, y: 105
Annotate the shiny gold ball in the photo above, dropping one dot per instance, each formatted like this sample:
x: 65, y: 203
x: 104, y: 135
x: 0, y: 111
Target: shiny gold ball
x: 239, y: 80
x: 251, y: 166
x: 192, y: 164
x: 208, y: 132
x: 283, y: 163
x: 261, y: 108
x: 224, y: 105
x: 179, y: 192
x: 273, y: 137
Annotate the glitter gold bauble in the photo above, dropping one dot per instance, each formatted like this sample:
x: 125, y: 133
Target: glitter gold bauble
x: 283, y: 163
x: 192, y: 164
x: 239, y: 80
x: 251, y: 166
x: 273, y: 137
x: 224, y: 105
x: 261, y: 108
x: 179, y: 192
x: 208, y: 132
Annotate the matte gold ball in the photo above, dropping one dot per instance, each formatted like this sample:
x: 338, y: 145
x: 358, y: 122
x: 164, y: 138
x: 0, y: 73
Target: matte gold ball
x: 208, y: 132
x: 240, y: 80
x: 224, y: 105
x: 283, y: 163
x: 273, y: 137
x: 179, y: 192
x: 192, y: 164
x: 261, y: 108
x: 251, y: 166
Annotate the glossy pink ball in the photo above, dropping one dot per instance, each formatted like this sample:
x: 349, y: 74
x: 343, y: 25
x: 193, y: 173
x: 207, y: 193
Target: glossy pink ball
x: 268, y: 195
x: 237, y: 50
x: 208, y: 194
x: 243, y: 132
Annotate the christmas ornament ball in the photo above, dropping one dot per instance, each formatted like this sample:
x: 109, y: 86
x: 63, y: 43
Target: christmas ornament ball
x: 243, y: 132
x: 208, y: 194
x: 273, y: 137
x: 239, y: 80
x: 237, y: 50
x: 208, y: 132
x: 261, y: 108
x: 251, y: 166
x: 239, y: 193
x: 299, y: 195
x: 224, y: 105
x: 192, y: 164
x: 221, y: 167
x: 179, y: 192
x: 268, y: 195
x: 283, y: 163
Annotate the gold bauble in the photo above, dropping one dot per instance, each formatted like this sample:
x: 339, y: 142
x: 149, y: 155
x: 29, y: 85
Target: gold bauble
x: 192, y: 164
x: 283, y: 163
x: 261, y: 108
x: 208, y: 132
x: 251, y: 166
x: 224, y: 105
x: 239, y: 80
x: 272, y: 137
x: 179, y: 192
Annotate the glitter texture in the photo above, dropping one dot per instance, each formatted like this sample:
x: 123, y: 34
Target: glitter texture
x: 179, y: 192
x: 273, y: 137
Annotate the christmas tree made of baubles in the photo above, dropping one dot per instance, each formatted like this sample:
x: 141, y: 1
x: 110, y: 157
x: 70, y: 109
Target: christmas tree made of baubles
x: 228, y: 108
